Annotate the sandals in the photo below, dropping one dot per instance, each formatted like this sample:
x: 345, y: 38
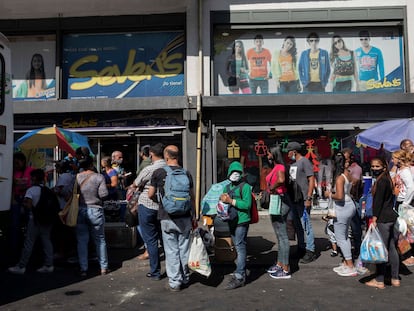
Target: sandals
x: 375, y: 283
x: 395, y: 282
x: 409, y: 262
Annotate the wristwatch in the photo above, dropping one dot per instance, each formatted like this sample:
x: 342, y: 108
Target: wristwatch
x: 308, y: 198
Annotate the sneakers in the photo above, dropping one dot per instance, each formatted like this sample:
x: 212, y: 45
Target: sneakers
x: 309, y: 257
x: 334, y: 253
x: 234, y: 283
x: 274, y: 269
x: 45, y: 269
x: 17, y: 270
x: 347, y: 271
x: 338, y: 268
x: 280, y: 274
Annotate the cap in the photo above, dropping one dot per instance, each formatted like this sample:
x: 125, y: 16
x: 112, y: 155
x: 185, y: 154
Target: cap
x: 293, y: 145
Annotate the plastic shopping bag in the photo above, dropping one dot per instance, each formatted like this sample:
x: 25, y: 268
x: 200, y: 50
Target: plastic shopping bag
x: 198, y: 260
x: 373, y: 249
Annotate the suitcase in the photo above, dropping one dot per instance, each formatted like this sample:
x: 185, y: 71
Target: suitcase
x: 119, y: 235
x: 224, y: 249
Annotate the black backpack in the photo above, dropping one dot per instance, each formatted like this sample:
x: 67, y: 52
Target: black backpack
x: 46, y: 210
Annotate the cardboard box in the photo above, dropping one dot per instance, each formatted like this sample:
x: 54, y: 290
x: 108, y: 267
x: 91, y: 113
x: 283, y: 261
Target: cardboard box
x: 224, y: 249
x: 119, y: 235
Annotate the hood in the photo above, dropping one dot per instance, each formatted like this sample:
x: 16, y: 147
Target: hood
x: 235, y: 166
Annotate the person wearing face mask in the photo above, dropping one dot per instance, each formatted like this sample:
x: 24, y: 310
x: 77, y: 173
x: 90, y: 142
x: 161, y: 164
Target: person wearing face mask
x: 239, y: 195
x: 384, y: 218
x: 301, y: 174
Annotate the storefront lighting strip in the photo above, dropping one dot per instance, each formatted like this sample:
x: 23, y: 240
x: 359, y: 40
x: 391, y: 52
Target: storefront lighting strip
x: 116, y: 129
x: 300, y: 127
x: 330, y: 25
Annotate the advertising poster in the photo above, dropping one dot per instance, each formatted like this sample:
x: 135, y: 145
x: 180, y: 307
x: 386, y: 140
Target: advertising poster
x: 124, y: 65
x: 320, y: 60
x: 33, y: 65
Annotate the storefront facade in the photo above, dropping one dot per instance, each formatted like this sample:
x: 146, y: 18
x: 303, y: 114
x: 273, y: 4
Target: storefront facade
x: 141, y: 73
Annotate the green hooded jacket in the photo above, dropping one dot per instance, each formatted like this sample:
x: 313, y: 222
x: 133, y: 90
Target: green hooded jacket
x: 243, y: 201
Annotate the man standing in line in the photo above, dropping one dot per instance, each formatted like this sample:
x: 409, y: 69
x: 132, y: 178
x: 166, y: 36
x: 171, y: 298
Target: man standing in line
x: 117, y: 159
x: 370, y: 61
x: 175, y: 229
x: 314, y: 67
x: 259, y: 60
x: 148, y: 211
x: 301, y: 173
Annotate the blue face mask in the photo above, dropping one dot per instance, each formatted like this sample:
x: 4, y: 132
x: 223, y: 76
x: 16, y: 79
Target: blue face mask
x: 293, y: 157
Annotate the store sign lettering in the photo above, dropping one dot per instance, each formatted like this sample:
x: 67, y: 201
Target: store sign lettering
x: 373, y: 84
x: 134, y: 71
x: 70, y: 123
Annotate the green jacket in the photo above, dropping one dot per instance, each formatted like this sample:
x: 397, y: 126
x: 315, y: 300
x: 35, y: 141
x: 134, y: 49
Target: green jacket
x: 243, y: 199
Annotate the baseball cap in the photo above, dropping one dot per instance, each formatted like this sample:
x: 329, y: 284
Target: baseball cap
x: 293, y: 145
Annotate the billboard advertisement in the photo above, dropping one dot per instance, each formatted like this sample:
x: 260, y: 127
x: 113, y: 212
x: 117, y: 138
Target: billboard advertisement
x: 317, y: 60
x: 124, y: 65
x: 33, y: 66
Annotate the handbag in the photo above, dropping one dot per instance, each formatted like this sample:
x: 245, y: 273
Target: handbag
x: 69, y: 214
x: 403, y: 244
x: 131, y: 213
x: 373, y: 249
x: 275, y: 205
x: 198, y: 259
x: 331, y: 209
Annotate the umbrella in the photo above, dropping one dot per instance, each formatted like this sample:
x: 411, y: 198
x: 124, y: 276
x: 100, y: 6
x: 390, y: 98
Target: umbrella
x: 51, y: 137
x: 388, y: 134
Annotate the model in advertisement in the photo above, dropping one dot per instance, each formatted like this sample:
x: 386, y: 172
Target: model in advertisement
x: 259, y: 62
x: 370, y: 61
x: 343, y: 66
x: 314, y: 67
x: 35, y: 85
x: 284, y: 67
x: 237, y: 70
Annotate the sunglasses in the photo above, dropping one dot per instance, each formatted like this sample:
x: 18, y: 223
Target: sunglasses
x: 313, y: 40
x: 363, y: 39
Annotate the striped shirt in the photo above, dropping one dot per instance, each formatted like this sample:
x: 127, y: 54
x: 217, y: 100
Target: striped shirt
x: 145, y: 177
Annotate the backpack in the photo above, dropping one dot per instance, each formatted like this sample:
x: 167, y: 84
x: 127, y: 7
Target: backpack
x: 254, y: 212
x: 212, y: 197
x: 176, y: 200
x: 45, y: 212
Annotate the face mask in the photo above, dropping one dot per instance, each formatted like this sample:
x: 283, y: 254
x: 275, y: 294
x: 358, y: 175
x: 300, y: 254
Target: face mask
x: 398, y: 165
x: 270, y: 160
x: 376, y: 173
x: 293, y: 157
x: 235, y: 176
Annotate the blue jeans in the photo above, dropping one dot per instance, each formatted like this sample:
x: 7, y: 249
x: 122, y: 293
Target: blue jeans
x: 279, y: 226
x: 262, y: 84
x: 91, y: 222
x: 304, y: 230
x: 33, y: 232
x: 150, y: 230
x: 239, y: 237
x: 176, y: 238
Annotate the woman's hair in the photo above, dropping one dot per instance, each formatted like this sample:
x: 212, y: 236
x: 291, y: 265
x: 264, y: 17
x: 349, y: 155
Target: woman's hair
x: 403, y: 156
x: 242, y: 53
x: 86, y: 162
x: 293, y: 50
x: 384, y: 174
x: 339, y: 166
x: 33, y: 74
x: 107, y: 160
x: 277, y: 156
x: 334, y: 49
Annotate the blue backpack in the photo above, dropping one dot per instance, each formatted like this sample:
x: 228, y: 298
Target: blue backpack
x: 176, y: 200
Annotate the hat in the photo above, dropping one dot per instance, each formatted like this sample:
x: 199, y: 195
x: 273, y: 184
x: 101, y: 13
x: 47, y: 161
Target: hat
x: 293, y: 145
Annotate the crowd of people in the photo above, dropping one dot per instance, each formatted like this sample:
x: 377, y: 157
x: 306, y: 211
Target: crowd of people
x: 291, y: 181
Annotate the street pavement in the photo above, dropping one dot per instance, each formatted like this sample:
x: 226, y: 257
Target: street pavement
x: 313, y: 286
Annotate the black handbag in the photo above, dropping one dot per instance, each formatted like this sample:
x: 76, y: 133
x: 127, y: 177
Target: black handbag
x: 232, y: 81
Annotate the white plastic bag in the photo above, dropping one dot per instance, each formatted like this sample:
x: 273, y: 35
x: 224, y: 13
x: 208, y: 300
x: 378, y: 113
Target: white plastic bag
x: 373, y: 249
x: 198, y: 259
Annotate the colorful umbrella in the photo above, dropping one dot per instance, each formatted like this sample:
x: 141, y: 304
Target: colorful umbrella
x: 388, y: 134
x: 51, y: 137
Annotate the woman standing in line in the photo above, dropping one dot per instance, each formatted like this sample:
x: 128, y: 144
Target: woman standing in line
x: 91, y: 219
x: 384, y: 218
x: 111, y: 177
x: 275, y: 181
x: 237, y: 70
x: 284, y: 67
x: 343, y: 65
x: 345, y: 210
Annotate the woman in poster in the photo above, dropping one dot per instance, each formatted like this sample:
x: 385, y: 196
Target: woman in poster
x: 237, y: 70
x: 343, y: 66
x: 284, y: 67
x: 35, y: 84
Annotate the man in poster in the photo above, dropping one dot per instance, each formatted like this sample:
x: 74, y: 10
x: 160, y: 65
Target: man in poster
x: 259, y: 60
x: 370, y: 61
x: 314, y: 67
